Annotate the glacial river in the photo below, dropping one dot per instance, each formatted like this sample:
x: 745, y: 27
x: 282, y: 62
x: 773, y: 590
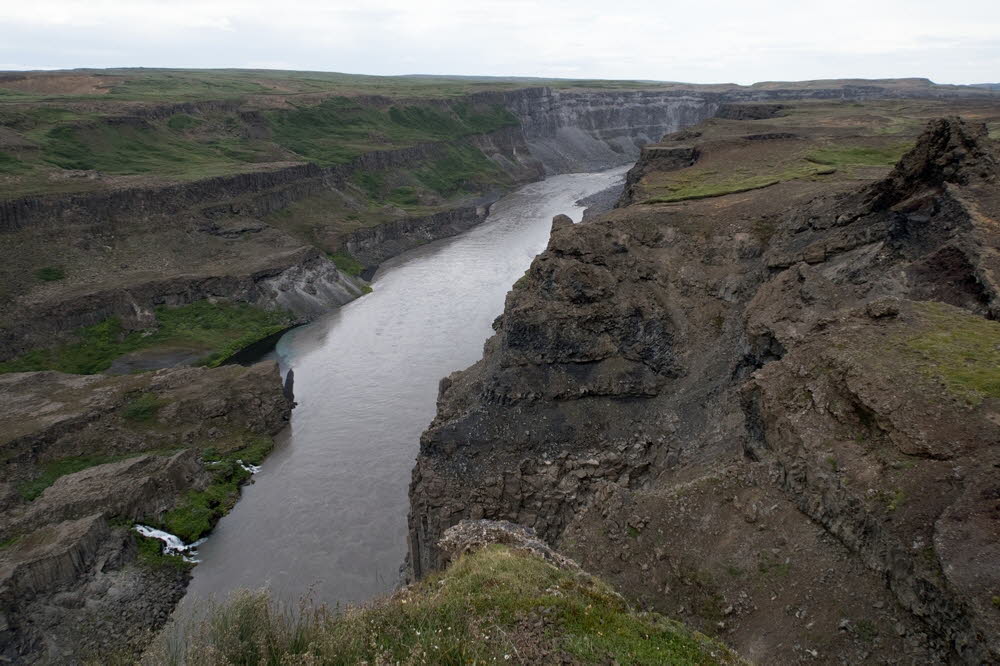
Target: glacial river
x: 326, y: 515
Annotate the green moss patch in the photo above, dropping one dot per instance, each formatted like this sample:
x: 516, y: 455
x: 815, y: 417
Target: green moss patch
x: 960, y: 350
x: 152, y: 555
x: 124, y: 149
x: 347, y: 263
x: 142, y: 408
x: 10, y: 164
x: 198, y: 511
x: 459, y: 168
x: 50, y: 273
x: 689, y: 184
x: 843, y: 156
x: 221, y: 329
x: 497, y: 605
x: 182, y: 121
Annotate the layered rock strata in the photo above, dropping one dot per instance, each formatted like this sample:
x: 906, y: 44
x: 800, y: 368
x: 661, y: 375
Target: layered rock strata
x: 71, y: 585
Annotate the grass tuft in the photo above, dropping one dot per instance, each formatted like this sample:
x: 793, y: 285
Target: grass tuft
x: 143, y: 408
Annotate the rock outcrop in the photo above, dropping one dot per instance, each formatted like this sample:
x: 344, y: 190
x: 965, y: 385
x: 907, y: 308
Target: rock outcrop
x: 786, y: 438
x: 373, y: 245
x: 114, y: 451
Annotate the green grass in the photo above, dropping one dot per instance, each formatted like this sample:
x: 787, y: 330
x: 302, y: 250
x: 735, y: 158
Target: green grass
x: 10, y: 164
x: 372, y: 182
x: 404, y: 196
x: 220, y: 329
x: 142, y: 409
x: 198, y: 511
x: 960, y: 350
x: 460, y: 167
x: 496, y: 605
x: 845, y: 156
x: 123, y: 149
x: 52, y: 471
x: 152, y: 555
x: 341, y: 128
x: 10, y: 542
x: 182, y: 121
x: 50, y: 273
x: 347, y: 263
x: 691, y: 184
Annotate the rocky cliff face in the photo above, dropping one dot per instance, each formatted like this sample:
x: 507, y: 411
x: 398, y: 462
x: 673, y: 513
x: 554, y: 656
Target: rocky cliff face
x: 784, y: 437
x: 590, y: 131
x: 72, y: 584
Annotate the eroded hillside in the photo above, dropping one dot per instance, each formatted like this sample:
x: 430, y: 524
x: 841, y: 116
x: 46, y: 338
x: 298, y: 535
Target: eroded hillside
x: 763, y: 397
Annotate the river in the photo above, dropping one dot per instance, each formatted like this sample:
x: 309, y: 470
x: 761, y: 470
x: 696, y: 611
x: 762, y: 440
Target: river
x: 326, y: 515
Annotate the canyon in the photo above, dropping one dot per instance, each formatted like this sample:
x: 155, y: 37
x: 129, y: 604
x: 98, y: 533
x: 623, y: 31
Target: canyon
x: 732, y: 385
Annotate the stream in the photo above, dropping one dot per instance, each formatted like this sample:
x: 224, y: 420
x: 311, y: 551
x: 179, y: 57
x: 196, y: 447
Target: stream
x: 326, y: 514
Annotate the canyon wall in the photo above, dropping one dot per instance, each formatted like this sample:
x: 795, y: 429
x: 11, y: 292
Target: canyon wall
x: 741, y: 412
x: 218, y: 240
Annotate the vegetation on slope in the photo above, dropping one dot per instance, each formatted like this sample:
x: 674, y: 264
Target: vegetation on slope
x: 217, y: 329
x: 496, y: 605
x: 198, y: 511
x: 341, y: 128
x: 697, y: 183
x: 51, y: 472
x: 841, y: 156
x: 960, y: 350
x: 209, y: 143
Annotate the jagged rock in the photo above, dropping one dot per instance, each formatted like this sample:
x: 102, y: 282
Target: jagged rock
x: 950, y: 151
x: 50, y: 557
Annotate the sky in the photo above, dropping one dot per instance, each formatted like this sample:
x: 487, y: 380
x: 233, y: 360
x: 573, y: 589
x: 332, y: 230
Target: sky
x: 699, y: 41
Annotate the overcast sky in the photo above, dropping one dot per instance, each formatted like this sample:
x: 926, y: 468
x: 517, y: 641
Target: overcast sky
x: 701, y: 41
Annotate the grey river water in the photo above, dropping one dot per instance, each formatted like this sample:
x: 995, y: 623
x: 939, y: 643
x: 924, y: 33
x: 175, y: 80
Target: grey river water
x: 327, y: 512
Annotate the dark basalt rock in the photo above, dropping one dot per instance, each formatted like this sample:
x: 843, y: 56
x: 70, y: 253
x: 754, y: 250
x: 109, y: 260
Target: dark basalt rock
x: 612, y: 409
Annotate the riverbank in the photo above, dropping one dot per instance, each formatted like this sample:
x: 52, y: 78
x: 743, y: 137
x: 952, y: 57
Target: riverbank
x: 87, y: 457
x: 333, y: 493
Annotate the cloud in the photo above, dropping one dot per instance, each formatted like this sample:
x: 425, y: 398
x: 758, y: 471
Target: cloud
x: 708, y: 41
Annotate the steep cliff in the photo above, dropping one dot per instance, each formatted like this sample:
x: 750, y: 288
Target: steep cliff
x: 769, y: 412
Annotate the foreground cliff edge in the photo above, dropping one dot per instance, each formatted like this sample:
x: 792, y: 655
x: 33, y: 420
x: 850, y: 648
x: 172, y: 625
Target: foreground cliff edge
x: 505, y: 597
x: 772, y: 414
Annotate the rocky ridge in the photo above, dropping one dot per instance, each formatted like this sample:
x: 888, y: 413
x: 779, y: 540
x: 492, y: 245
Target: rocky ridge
x: 724, y: 420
